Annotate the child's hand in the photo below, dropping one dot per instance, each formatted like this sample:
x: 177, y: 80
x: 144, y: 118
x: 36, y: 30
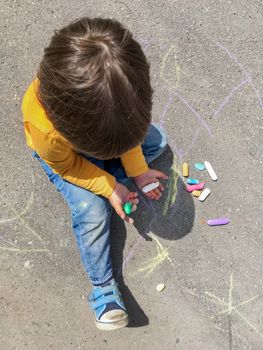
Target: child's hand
x: 151, y: 176
x: 119, y: 197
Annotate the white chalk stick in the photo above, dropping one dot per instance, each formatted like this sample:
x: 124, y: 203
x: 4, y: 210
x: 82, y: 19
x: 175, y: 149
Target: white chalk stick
x: 206, y: 192
x: 150, y: 187
x: 210, y: 171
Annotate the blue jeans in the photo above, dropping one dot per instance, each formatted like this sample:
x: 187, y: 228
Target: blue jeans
x: 91, y: 213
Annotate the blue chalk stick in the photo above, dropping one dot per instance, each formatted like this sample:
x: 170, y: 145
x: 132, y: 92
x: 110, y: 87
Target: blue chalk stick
x: 192, y: 181
x: 200, y: 166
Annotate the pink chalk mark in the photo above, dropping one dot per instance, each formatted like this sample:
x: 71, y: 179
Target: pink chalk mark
x: 193, y: 141
x: 245, y: 72
x: 226, y: 99
x: 144, y: 43
x: 196, y: 114
x: 131, y: 252
x: 179, y: 151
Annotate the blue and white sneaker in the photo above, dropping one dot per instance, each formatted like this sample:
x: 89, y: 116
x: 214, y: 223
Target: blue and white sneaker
x: 107, y: 305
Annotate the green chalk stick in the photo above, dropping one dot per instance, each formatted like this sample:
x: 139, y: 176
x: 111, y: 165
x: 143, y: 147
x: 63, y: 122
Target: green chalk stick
x: 127, y: 208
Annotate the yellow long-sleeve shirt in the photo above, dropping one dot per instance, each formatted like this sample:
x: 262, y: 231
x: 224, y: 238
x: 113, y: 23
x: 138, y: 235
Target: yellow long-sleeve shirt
x: 59, y: 154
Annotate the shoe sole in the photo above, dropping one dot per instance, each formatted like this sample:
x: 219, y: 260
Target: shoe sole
x: 110, y: 326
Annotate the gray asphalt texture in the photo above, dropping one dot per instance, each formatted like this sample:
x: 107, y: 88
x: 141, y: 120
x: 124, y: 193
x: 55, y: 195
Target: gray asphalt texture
x: 206, y: 69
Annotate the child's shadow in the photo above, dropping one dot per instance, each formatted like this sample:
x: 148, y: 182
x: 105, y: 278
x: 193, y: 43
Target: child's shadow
x: 170, y: 218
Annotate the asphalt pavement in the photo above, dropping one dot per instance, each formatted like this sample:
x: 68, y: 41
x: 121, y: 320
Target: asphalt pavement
x: 206, y: 67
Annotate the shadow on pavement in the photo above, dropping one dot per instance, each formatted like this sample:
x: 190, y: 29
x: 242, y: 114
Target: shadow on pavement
x: 170, y: 218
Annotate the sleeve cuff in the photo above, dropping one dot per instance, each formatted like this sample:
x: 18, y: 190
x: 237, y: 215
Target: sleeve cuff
x: 134, y: 162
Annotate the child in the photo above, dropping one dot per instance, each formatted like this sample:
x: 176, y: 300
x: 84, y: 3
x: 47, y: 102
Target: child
x: 87, y: 120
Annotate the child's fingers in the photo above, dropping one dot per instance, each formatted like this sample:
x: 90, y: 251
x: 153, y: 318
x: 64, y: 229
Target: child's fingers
x: 134, y: 201
x: 152, y: 195
x: 157, y: 192
x: 120, y: 212
x: 161, y: 175
x: 149, y: 195
x: 128, y: 219
x: 122, y: 215
x: 161, y: 187
x: 133, y: 198
x: 134, y: 208
x: 132, y: 195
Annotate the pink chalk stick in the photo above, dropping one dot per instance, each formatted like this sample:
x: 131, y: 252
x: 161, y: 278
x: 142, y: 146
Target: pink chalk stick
x: 191, y: 188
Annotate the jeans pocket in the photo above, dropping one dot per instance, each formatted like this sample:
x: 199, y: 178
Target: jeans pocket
x: 54, y: 178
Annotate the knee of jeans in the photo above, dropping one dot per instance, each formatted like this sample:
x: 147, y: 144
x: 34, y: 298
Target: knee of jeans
x: 93, y: 211
x: 91, y: 222
x: 157, y: 141
x: 163, y: 136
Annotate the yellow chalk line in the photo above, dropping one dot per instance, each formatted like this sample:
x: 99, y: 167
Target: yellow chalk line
x: 162, y: 255
x: 171, y: 50
x: 23, y: 250
x: 230, y: 308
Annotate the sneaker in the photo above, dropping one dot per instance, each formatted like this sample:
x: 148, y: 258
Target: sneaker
x: 107, y: 305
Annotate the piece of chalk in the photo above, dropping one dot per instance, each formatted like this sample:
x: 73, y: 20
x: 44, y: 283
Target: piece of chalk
x: 185, y: 170
x: 191, y: 188
x: 134, y: 207
x: 127, y: 208
x: 206, y: 192
x: 196, y: 193
x: 150, y: 187
x: 199, y: 166
x: 192, y: 181
x: 210, y: 171
x: 160, y: 287
x: 218, y: 221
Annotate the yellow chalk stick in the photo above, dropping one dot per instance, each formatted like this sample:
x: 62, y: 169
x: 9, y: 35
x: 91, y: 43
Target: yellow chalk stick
x: 185, y: 169
x: 196, y: 193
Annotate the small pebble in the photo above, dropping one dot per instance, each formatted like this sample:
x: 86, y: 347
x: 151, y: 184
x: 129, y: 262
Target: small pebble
x: 160, y: 287
x: 28, y: 264
x: 199, y: 166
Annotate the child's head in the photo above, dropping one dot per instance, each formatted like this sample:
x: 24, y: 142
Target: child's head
x: 95, y: 87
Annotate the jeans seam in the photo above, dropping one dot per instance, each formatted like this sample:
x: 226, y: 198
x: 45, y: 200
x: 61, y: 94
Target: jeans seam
x: 83, y: 253
x: 97, y: 280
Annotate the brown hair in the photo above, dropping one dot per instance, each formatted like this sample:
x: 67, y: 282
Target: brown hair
x: 95, y: 87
